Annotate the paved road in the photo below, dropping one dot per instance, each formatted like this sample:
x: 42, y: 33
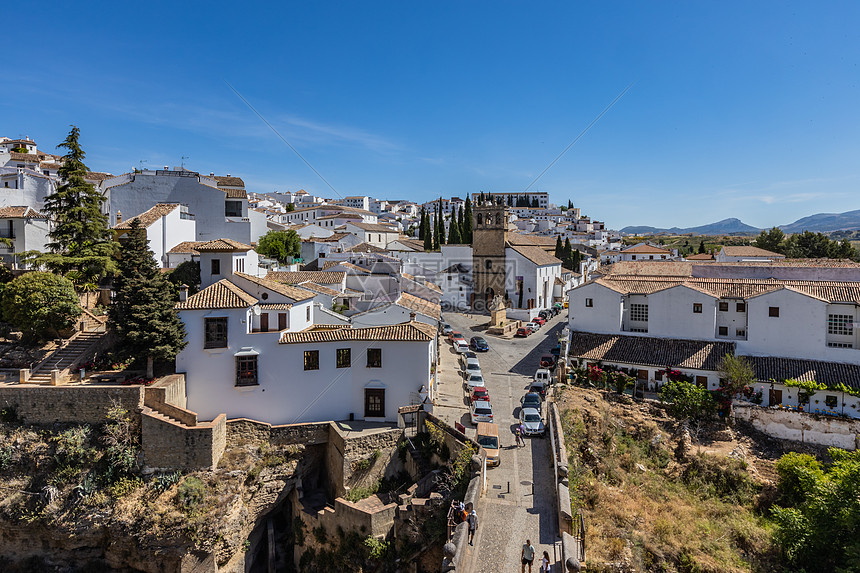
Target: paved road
x: 520, y: 499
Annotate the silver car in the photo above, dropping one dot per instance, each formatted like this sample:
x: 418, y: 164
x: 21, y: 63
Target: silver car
x: 532, y: 422
x: 473, y: 381
x: 481, y: 411
x: 471, y: 366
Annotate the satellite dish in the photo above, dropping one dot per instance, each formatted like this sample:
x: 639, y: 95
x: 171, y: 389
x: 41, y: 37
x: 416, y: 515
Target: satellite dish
x: 256, y: 310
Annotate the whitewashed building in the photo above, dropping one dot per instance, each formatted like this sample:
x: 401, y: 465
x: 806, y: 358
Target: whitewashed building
x: 26, y: 229
x: 737, y: 254
x: 167, y: 225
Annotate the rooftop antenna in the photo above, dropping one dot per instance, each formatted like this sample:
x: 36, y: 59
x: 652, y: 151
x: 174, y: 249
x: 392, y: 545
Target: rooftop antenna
x: 184, y: 157
x: 142, y: 161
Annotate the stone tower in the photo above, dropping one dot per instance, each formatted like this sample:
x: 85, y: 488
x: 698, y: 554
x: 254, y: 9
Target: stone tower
x: 489, y: 231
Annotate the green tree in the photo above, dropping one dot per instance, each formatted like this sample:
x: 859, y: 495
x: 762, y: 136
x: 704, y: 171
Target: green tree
x: 81, y: 239
x: 421, y: 225
x: 436, y: 241
x: 186, y: 273
x: 575, y: 260
x: 142, y: 313
x: 559, y: 248
x: 687, y: 401
x: 737, y: 373
x: 466, y: 229
x: 771, y: 240
x: 283, y: 246
x: 428, y: 233
x: 441, y: 224
x: 567, y: 254
x: 702, y: 247
x: 290, y: 207
x: 454, y: 237
x: 818, y: 514
x: 41, y: 305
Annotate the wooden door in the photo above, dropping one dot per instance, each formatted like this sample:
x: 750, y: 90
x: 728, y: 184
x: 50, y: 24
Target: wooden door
x: 374, y: 403
x: 264, y: 322
x: 702, y: 382
x: 282, y: 321
x: 774, y: 397
x: 642, y: 375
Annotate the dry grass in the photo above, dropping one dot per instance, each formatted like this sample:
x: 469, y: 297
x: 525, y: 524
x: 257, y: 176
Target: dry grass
x: 646, y: 511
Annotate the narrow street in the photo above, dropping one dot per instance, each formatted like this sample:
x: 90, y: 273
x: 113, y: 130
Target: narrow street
x: 519, y: 503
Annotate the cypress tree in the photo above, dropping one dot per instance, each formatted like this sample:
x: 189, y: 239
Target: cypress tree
x: 421, y: 225
x: 428, y: 233
x: 441, y: 223
x: 702, y: 246
x: 467, y: 223
x: 559, y: 248
x: 142, y: 313
x: 436, y: 242
x: 454, y: 237
x: 460, y: 221
x: 575, y: 260
x: 567, y: 259
x: 569, y: 204
x: 81, y: 240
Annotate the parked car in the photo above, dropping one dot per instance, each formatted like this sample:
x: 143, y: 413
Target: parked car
x: 480, y: 393
x: 538, y: 388
x: 455, y: 334
x: 555, y: 352
x: 473, y: 381
x: 539, y: 320
x: 547, y: 361
x: 545, y: 314
x: 471, y: 366
x: 460, y: 346
x: 531, y: 400
x: 478, y: 344
x: 466, y: 355
x: 487, y: 437
x: 532, y: 422
x: 532, y: 326
x: 446, y: 329
x: 481, y: 411
x: 522, y: 332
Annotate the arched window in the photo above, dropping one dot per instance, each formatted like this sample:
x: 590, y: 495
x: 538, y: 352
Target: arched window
x: 480, y: 219
x: 489, y: 264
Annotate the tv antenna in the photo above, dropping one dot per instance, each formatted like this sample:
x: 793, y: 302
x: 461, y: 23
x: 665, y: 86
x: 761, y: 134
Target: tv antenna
x: 184, y: 157
x: 142, y: 161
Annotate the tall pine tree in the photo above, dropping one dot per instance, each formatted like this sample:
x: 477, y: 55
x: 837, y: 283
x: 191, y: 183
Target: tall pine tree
x: 436, y: 241
x: 559, y: 248
x: 82, y: 243
x: 441, y: 223
x: 421, y: 225
x: 454, y: 237
x: 466, y: 229
x: 568, y: 254
x: 460, y: 223
x: 142, y: 313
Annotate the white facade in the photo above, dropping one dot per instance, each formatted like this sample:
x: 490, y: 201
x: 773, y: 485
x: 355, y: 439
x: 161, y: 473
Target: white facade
x: 24, y: 187
x: 529, y: 284
x: 172, y: 226
x: 27, y: 229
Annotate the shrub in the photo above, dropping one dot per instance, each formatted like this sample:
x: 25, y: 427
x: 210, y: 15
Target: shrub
x: 124, y: 486
x: 191, y: 493
x: 163, y: 482
x: 40, y: 304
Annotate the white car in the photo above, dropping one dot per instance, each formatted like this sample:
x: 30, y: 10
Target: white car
x: 461, y: 346
x: 471, y: 366
x: 481, y: 411
x: 533, y: 326
x: 473, y: 381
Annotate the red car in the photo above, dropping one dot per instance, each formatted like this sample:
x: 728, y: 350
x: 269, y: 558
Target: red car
x: 547, y: 361
x: 480, y: 393
x: 540, y: 320
x: 522, y: 332
x: 454, y: 334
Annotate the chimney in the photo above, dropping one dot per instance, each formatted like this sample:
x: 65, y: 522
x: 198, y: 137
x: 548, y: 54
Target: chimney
x: 118, y: 216
x: 167, y: 168
x: 211, y: 174
x: 183, y: 292
x: 228, y: 175
x: 412, y: 316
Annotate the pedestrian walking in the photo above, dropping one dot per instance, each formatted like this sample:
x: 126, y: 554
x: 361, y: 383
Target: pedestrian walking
x: 519, y: 435
x: 522, y: 430
x: 473, y: 525
x: 528, y: 555
x: 544, y: 563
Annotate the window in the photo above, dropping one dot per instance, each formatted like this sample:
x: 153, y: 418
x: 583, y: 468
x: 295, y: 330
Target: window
x: 216, y: 266
x: 724, y: 307
x: 697, y: 308
x: 246, y: 371
x: 831, y: 401
x: 232, y: 208
x: 840, y: 324
x: 308, y: 313
x: 215, y: 332
x: 240, y: 265
x: 741, y: 307
x: 658, y: 375
x: 589, y: 302
x: 840, y: 345
x: 489, y: 264
x: 374, y: 402
x: 374, y: 358
x: 773, y: 311
x: 344, y: 358
x: 639, y: 312
x: 702, y: 382
x: 723, y: 331
x: 741, y: 332
x: 634, y: 257
x: 312, y: 359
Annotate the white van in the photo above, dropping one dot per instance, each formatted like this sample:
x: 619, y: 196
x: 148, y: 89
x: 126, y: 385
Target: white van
x: 543, y: 375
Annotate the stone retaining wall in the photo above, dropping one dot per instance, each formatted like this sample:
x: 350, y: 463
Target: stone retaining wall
x: 36, y: 404
x: 801, y: 426
x: 167, y: 444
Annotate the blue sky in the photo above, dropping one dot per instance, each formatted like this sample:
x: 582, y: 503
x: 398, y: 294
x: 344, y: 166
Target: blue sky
x: 737, y: 109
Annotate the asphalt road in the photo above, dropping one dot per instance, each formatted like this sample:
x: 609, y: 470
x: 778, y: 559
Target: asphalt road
x: 519, y: 503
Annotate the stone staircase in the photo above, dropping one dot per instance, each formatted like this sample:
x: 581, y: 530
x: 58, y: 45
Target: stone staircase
x: 64, y: 357
x: 421, y: 461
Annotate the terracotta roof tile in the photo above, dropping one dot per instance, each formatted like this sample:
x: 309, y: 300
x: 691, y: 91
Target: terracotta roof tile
x: 27, y: 157
x: 374, y: 228
x: 536, y: 254
x: 346, y: 265
x: 420, y: 305
x: 405, y: 332
x: 222, y: 294
x: 647, y: 249
x: 295, y: 293
x: 747, y: 251
x: 365, y: 248
x: 223, y: 245
x: 320, y: 288
x: 20, y: 212
x: 97, y: 176
x: 149, y: 217
x: 224, y: 181
x: 781, y: 369
x: 187, y: 247
x: 662, y: 352
x: 296, y: 277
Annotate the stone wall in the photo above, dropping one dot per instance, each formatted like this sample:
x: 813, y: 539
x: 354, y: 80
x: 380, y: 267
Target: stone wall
x: 801, y: 426
x: 345, y: 451
x: 244, y: 430
x: 167, y: 390
x: 80, y: 404
x: 168, y: 444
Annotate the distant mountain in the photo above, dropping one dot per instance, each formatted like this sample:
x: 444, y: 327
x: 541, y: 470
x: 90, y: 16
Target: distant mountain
x: 825, y: 222
x: 725, y: 227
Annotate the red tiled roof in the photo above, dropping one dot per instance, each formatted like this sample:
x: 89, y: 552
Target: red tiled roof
x: 149, y: 217
x: 222, y: 294
x: 405, y: 332
x: 645, y: 351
